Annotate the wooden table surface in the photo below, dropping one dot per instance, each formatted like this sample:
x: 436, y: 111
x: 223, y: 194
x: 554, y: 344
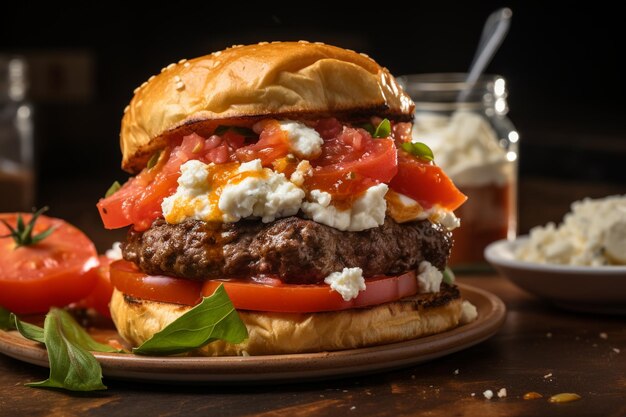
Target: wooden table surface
x: 585, y: 354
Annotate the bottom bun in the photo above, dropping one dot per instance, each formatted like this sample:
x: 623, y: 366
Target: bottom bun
x: 281, y: 333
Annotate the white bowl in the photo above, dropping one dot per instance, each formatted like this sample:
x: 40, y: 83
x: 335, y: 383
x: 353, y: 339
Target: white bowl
x: 600, y: 289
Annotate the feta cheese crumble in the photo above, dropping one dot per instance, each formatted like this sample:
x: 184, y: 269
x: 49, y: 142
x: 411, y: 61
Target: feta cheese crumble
x: 367, y: 211
x: 428, y: 277
x: 488, y: 394
x: 305, y: 142
x: 348, y: 282
x: 268, y: 196
x: 468, y: 312
x: 115, y: 253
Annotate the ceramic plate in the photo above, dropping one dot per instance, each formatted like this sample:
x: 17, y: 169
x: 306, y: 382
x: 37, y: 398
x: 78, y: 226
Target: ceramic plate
x: 583, y: 288
x: 283, y: 368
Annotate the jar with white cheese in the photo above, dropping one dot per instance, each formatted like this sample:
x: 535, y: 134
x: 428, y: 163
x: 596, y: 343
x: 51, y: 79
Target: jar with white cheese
x: 476, y: 144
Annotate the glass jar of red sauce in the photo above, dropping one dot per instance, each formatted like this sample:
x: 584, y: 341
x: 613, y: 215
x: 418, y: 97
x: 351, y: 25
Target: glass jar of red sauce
x: 476, y: 144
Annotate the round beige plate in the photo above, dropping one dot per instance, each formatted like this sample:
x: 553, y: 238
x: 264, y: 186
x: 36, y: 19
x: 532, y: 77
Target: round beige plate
x: 491, y: 315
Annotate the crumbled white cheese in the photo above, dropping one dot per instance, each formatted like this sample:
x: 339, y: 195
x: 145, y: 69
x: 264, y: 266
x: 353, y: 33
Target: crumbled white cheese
x: 264, y: 193
x: 269, y: 196
x: 115, y: 253
x: 367, y: 211
x: 348, y: 282
x: 428, y: 277
x: 488, y: 394
x: 305, y: 142
x: 193, y: 187
x: 502, y: 393
x: 468, y: 312
x: 592, y: 234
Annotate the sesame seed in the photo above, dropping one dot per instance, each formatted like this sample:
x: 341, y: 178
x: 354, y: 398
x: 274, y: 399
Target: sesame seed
x: 365, y: 55
x: 182, y: 61
x: 186, y: 64
x: 353, y: 407
x: 180, y: 85
x: 263, y: 43
x: 136, y: 89
x: 170, y: 66
x: 126, y: 109
x: 163, y: 69
x: 603, y: 335
x: 218, y: 53
x: 456, y: 372
x: 139, y: 103
x: 546, y: 376
x: 616, y: 350
x: 145, y: 83
x: 350, y: 50
x: 304, y: 42
x: 177, y: 78
x: 151, y: 78
x: 319, y: 43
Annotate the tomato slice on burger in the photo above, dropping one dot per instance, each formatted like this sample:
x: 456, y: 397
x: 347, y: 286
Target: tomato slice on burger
x: 426, y: 183
x: 269, y: 295
x: 51, y: 272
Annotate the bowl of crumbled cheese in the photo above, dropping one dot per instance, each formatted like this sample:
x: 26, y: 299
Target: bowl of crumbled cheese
x: 578, y: 264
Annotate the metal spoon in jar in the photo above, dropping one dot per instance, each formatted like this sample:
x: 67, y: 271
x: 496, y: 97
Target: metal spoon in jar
x: 495, y: 30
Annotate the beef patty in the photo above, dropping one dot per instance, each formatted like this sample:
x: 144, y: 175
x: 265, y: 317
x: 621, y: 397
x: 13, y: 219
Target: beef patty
x: 296, y: 250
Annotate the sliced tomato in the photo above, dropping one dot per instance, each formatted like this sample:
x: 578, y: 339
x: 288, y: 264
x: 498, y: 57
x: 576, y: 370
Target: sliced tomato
x: 128, y: 279
x: 53, y: 272
x: 138, y: 202
x: 351, y: 161
x: 270, y: 295
x: 273, y: 144
x: 426, y: 183
x: 100, y: 297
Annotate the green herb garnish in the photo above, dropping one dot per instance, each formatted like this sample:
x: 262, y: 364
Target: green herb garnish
x: 72, y: 366
x: 383, y: 130
x: 153, y: 160
x: 419, y: 150
x: 448, y: 276
x: 112, y: 189
x: 243, y: 131
x: 214, y: 318
x: 22, y: 234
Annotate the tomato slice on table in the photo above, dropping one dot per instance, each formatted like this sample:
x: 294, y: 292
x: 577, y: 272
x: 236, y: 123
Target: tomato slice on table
x: 426, y: 183
x: 52, y: 272
x: 271, y: 295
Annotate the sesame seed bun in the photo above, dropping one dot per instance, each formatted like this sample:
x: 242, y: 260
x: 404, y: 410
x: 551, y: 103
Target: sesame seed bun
x: 282, y: 79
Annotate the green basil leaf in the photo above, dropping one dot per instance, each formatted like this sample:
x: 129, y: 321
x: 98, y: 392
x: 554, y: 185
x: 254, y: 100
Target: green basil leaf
x: 423, y: 151
x: 419, y: 150
x: 214, y: 318
x: 112, y: 189
x: 6, y: 322
x: 29, y: 331
x: 383, y: 130
x: 243, y: 131
x: 72, y: 366
x: 448, y: 276
x: 153, y: 159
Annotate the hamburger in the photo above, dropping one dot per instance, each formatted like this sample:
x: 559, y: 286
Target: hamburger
x: 286, y: 173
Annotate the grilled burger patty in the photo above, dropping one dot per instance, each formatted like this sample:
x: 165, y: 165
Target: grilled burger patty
x: 296, y: 250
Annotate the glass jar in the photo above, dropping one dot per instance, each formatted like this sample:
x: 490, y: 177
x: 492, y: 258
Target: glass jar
x: 476, y: 144
x: 16, y: 137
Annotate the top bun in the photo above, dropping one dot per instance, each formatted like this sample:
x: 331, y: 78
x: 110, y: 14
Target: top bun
x: 282, y: 79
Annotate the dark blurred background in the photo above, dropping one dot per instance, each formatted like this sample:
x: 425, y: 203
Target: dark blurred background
x: 566, y: 83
